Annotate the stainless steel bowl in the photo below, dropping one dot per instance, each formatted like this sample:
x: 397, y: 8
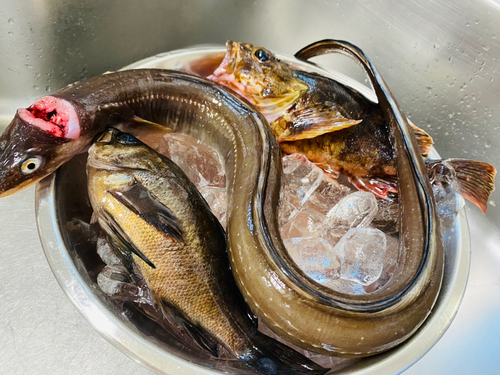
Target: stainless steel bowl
x: 61, y: 201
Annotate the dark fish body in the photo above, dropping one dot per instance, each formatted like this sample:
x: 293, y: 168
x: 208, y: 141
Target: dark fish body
x: 331, y: 124
x: 148, y: 206
x: 363, y: 149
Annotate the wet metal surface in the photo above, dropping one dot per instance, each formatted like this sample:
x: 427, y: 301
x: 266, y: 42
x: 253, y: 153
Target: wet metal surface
x: 439, y: 58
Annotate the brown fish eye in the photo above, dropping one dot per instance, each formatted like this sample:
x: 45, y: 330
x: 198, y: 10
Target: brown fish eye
x: 31, y: 165
x: 262, y: 55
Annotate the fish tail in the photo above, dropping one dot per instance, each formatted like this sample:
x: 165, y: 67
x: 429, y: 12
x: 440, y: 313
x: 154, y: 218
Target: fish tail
x: 424, y: 140
x: 475, y: 179
x: 271, y: 357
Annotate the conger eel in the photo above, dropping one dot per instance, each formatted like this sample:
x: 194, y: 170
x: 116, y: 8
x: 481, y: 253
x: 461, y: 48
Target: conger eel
x: 57, y: 127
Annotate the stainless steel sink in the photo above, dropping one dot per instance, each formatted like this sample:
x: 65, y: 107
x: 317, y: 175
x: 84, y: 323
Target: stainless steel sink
x: 440, y: 60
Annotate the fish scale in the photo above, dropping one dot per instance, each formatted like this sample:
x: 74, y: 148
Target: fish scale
x: 180, y: 267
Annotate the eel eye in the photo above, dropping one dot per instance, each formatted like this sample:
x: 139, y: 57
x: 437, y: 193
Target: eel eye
x: 31, y: 165
x: 262, y: 55
x: 127, y: 139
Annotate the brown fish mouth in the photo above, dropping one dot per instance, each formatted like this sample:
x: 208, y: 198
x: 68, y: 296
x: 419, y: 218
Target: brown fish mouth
x: 225, y: 73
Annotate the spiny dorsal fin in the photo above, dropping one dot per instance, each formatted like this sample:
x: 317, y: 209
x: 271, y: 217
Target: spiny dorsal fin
x: 424, y: 140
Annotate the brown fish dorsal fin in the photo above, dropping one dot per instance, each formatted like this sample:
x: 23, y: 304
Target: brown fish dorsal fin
x: 424, y: 140
x: 311, y: 121
x: 139, y: 200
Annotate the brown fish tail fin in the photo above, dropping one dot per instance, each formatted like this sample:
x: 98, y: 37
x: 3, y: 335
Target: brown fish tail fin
x: 270, y: 356
x: 475, y: 179
x: 424, y: 140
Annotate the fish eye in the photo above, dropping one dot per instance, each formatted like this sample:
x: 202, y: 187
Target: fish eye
x: 31, y: 165
x: 127, y: 139
x: 262, y: 55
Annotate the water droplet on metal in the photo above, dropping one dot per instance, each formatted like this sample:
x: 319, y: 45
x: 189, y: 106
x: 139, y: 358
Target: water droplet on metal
x: 10, y: 33
x: 11, y: 21
x: 36, y: 87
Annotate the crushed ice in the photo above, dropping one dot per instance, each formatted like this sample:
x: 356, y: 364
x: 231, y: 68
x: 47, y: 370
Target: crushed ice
x: 340, y: 237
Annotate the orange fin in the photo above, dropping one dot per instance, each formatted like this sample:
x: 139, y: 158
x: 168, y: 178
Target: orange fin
x: 377, y: 186
x: 313, y: 121
x: 424, y: 140
x: 475, y: 180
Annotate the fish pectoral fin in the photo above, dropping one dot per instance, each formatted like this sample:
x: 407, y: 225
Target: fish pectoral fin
x: 136, y: 120
x: 120, y: 241
x: 198, y: 334
x: 313, y: 121
x: 139, y: 200
x: 424, y: 140
x: 375, y: 185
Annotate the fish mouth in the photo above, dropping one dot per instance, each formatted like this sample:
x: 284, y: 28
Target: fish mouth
x: 229, y: 62
x: 21, y: 186
x: 53, y: 115
x: 225, y: 73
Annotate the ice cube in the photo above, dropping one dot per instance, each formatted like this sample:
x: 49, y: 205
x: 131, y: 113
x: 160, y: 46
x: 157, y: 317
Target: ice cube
x: 328, y: 193
x: 347, y: 286
x: 449, y: 201
x: 315, y: 257
x: 331, y: 362
x: 286, y: 211
x: 107, y: 255
x: 117, y: 282
x: 301, y: 179
x: 387, y: 217
x: 390, y: 262
x: 306, y: 223
x: 355, y: 210
x: 216, y: 199
x: 200, y: 162
x: 361, y: 252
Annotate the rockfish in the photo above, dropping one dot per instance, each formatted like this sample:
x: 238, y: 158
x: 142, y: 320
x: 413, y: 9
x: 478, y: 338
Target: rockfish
x: 332, y: 124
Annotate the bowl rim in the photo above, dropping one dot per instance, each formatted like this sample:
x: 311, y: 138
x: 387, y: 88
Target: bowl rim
x: 129, y: 342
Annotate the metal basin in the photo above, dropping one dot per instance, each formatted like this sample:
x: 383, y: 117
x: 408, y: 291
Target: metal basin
x: 62, y: 203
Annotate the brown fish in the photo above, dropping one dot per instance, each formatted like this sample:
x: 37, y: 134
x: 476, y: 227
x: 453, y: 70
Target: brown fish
x: 155, y: 217
x: 332, y: 124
